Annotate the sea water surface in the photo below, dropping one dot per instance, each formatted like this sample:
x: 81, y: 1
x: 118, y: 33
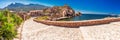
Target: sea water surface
x: 89, y: 17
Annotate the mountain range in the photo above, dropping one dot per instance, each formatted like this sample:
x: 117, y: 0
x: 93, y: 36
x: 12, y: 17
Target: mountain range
x: 23, y: 7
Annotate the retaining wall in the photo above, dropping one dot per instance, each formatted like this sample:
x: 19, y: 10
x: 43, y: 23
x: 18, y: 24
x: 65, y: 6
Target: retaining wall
x: 79, y: 23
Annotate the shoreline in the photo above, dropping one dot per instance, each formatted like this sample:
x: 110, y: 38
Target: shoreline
x: 118, y: 15
x: 79, y: 23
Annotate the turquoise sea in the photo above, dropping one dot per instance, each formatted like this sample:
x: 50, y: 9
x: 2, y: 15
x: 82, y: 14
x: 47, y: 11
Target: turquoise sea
x: 89, y: 17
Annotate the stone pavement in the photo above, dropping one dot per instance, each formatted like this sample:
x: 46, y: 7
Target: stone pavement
x: 37, y: 31
x: 101, y: 32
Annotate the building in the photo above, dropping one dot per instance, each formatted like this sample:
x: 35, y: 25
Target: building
x: 35, y: 12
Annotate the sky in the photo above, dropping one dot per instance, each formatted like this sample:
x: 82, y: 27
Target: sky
x: 86, y: 6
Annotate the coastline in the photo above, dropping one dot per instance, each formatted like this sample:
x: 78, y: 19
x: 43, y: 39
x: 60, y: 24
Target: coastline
x: 60, y: 20
x: 102, y: 14
x: 76, y: 24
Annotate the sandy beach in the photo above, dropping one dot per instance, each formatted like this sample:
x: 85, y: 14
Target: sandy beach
x: 37, y: 31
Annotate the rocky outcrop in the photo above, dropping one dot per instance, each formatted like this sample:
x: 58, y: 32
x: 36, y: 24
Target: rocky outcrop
x: 78, y: 14
x: 60, y: 11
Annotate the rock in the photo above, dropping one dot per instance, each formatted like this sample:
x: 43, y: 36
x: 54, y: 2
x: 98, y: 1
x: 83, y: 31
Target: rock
x: 60, y: 11
x: 78, y: 14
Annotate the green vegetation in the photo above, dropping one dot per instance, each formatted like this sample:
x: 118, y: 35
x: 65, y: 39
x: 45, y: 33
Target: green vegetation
x: 65, y: 19
x: 8, y: 25
x: 42, y: 18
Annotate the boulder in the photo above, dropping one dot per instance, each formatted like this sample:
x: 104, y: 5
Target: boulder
x: 78, y: 14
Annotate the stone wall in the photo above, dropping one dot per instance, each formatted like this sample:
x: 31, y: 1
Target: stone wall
x: 75, y: 24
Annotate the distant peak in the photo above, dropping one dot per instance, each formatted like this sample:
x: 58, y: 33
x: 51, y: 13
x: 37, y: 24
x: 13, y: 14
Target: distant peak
x: 25, y: 7
x: 13, y: 3
x: 16, y: 4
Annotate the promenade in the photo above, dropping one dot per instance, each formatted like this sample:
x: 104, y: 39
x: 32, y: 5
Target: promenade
x: 38, y: 31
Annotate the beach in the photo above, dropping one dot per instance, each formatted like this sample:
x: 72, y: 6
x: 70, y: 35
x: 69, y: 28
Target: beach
x: 37, y: 31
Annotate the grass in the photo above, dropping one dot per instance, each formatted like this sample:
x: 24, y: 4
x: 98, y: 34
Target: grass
x: 42, y: 18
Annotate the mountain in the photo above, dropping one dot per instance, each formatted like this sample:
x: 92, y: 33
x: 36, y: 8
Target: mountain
x: 0, y: 9
x: 23, y: 7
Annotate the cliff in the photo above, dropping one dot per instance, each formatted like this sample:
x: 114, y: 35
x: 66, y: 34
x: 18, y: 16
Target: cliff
x: 60, y: 11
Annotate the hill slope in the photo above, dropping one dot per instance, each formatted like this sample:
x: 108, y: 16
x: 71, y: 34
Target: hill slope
x: 20, y: 6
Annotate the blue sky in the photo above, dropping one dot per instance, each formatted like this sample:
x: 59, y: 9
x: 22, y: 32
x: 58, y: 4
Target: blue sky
x: 86, y: 6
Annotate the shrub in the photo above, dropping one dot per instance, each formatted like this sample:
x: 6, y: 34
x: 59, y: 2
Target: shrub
x: 42, y: 18
x: 8, y: 25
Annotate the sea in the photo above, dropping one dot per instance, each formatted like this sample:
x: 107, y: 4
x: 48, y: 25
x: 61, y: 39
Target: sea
x: 89, y: 17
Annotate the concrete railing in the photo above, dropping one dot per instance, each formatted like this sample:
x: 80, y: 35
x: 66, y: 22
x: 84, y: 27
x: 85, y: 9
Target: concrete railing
x: 79, y: 23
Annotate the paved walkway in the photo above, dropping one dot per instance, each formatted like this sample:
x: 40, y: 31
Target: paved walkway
x: 101, y: 32
x: 37, y: 31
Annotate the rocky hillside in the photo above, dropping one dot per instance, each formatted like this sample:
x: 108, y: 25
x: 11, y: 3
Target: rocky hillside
x: 60, y: 11
x: 23, y: 7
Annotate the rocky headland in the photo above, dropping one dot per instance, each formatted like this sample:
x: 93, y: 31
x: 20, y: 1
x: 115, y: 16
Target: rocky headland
x: 60, y: 11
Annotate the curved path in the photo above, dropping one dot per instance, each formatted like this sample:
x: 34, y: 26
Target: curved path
x: 37, y: 31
